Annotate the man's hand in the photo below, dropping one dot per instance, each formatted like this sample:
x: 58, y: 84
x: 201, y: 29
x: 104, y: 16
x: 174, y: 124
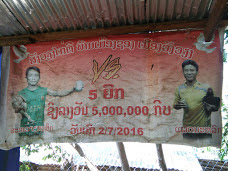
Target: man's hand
x: 210, y: 107
x: 181, y: 104
x: 31, y: 121
x: 79, y: 86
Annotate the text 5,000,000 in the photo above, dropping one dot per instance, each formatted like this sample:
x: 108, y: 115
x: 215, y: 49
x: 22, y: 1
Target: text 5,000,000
x: 118, y: 110
x: 55, y: 112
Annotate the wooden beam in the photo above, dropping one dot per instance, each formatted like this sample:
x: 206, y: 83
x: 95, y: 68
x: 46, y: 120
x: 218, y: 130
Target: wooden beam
x: 123, y: 156
x: 16, y: 40
x: 161, y: 158
x: 80, y: 34
x: 215, y: 18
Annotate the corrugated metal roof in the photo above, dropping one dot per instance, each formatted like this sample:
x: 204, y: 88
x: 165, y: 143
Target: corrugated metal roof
x: 8, y: 23
x: 39, y: 16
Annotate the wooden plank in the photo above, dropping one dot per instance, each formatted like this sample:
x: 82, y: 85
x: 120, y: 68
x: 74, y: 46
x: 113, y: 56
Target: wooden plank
x: 221, y: 31
x: 215, y: 18
x: 161, y: 158
x: 123, y: 156
x: 80, y: 34
x: 90, y: 165
x: 16, y: 40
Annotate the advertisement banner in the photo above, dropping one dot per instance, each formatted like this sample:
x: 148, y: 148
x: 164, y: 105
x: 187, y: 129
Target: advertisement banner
x: 157, y: 87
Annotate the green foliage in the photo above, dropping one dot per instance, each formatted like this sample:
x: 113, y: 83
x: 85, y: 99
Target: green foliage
x: 24, y: 167
x: 225, y: 54
x: 52, y: 151
x: 224, y: 146
x: 34, y: 148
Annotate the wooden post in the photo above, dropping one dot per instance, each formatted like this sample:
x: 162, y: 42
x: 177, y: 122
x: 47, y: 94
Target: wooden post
x: 90, y: 165
x: 161, y: 157
x: 215, y: 18
x: 221, y: 31
x: 123, y: 156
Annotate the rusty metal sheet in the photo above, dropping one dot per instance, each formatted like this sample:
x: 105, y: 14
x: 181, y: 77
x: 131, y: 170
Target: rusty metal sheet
x: 8, y: 23
x: 40, y: 16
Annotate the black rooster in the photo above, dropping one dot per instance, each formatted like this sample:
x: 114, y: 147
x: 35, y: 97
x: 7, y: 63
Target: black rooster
x: 210, y: 99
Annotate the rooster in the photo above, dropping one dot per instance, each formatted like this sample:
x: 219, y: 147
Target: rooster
x: 211, y: 103
x: 20, y: 106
